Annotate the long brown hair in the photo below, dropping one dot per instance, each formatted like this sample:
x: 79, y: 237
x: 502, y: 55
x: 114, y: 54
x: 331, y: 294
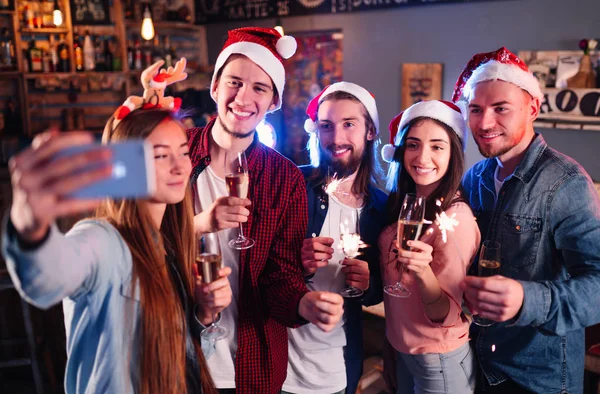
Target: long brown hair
x: 401, y: 182
x: 369, y: 168
x: 163, y: 326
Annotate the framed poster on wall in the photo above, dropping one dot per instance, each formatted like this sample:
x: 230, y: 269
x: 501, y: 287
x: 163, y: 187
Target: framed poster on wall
x: 420, y: 81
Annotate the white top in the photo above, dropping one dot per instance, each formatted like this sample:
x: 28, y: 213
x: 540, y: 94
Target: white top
x: 498, y: 184
x: 316, y: 358
x: 222, y: 363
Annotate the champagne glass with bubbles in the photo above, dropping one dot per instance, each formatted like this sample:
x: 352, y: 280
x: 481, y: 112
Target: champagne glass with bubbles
x: 237, y: 181
x: 489, y: 265
x: 208, y: 264
x: 410, y: 224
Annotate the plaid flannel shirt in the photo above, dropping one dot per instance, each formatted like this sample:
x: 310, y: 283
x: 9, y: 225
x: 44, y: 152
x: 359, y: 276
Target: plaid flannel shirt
x: 271, y: 278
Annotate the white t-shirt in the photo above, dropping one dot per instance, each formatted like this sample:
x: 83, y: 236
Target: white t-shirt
x: 222, y: 362
x: 316, y: 358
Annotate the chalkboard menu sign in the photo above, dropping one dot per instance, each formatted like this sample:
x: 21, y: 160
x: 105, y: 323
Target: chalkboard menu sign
x: 212, y: 11
x: 90, y: 12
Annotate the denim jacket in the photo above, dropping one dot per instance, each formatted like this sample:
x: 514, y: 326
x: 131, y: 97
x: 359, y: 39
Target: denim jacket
x: 547, y: 220
x: 370, y: 225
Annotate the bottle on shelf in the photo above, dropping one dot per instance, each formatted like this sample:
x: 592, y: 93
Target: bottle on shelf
x: 6, y: 51
x: 147, y: 54
x: 28, y: 16
x: 37, y: 14
x: 64, y: 65
x: 130, y: 55
x: 46, y: 61
x: 54, y: 61
x: 167, y: 51
x: 34, y: 57
x: 137, y: 55
x: 116, y: 54
x: 108, y: 56
x: 157, y: 53
x: 78, y: 53
x: 89, y: 54
x: 99, y: 55
x: 47, y: 7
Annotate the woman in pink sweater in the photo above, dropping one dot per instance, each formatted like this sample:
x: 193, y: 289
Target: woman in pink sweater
x: 428, y: 329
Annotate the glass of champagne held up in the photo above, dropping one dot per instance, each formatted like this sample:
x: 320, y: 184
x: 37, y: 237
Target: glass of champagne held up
x: 351, y: 244
x: 489, y: 265
x: 410, y: 224
x: 208, y: 263
x: 237, y: 180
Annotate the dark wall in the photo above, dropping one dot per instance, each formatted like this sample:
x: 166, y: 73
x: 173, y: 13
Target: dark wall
x: 377, y: 43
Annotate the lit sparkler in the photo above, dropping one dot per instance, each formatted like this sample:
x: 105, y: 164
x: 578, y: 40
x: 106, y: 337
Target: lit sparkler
x: 332, y: 187
x: 350, y: 242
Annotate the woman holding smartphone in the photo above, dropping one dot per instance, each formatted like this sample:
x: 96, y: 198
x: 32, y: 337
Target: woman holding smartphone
x: 425, y: 323
x: 126, y: 276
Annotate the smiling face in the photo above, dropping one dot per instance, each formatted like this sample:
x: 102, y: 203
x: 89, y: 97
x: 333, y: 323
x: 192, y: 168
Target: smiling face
x: 501, y: 118
x: 427, y: 153
x: 244, y: 93
x: 171, y: 161
x: 342, y: 134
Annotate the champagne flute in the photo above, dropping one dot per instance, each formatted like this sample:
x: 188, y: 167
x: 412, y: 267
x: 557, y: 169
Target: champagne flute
x: 237, y: 180
x: 351, y: 243
x: 208, y: 264
x: 410, y: 224
x: 489, y: 265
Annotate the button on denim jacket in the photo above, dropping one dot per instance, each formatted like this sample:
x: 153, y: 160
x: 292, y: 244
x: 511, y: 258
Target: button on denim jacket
x: 547, y: 220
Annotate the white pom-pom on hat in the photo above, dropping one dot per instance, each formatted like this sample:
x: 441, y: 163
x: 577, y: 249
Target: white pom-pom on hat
x: 387, y: 153
x: 286, y: 46
x: 310, y: 126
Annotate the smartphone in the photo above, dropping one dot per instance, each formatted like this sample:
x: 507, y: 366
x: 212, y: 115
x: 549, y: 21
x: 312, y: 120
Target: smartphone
x: 133, y: 174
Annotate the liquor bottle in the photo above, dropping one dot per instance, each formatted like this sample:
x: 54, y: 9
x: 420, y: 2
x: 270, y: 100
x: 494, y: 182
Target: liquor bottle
x: 63, y: 56
x: 28, y: 16
x: 130, y: 55
x: 147, y: 54
x: 6, y: 50
x: 108, y: 56
x: 53, y: 54
x: 137, y: 55
x: 34, y: 57
x: 157, y: 54
x: 46, y: 61
x: 37, y: 14
x: 89, y: 61
x: 99, y: 55
x: 78, y: 53
x: 167, y: 51
x: 117, y: 64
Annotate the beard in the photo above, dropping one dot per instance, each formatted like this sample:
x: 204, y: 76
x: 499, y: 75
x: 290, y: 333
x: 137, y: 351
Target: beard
x: 343, y: 168
x: 234, y: 134
x: 490, y: 151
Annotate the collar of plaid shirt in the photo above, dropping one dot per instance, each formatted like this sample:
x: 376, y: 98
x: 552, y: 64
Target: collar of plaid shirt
x: 271, y: 280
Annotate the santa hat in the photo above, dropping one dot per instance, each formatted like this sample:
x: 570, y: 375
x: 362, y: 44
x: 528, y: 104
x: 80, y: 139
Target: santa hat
x: 443, y: 111
x: 159, y: 81
x: 498, y: 65
x: 366, y: 98
x: 265, y: 47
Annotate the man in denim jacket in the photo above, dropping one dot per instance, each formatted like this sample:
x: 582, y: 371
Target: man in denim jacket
x: 542, y: 207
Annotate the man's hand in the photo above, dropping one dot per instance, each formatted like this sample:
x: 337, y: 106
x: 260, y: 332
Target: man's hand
x: 321, y: 308
x: 316, y: 253
x: 212, y: 297
x: 357, y: 273
x: 225, y: 212
x: 496, y: 298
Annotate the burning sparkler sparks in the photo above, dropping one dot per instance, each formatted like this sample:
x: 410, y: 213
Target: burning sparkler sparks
x: 334, y: 184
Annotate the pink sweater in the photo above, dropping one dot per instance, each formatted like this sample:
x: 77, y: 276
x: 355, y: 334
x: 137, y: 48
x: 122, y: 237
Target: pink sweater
x: 408, y: 328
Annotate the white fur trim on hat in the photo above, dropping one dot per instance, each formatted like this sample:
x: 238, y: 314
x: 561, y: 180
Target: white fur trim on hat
x: 387, y: 153
x: 260, y: 55
x: 360, y: 93
x: 286, y: 46
x: 158, y: 85
x: 495, y: 70
x: 437, y: 110
x: 310, y: 126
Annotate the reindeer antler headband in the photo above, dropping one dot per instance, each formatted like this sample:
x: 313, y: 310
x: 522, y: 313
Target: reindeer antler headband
x: 154, y: 83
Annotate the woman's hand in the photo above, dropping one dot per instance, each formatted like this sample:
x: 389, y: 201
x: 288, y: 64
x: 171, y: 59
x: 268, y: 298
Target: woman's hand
x: 41, y: 182
x: 418, y: 258
x: 213, y: 297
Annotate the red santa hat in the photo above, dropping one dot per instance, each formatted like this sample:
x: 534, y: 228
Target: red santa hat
x: 443, y: 111
x: 366, y: 98
x: 159, y: 81
x: 501, y: 65
x: 265, y: 47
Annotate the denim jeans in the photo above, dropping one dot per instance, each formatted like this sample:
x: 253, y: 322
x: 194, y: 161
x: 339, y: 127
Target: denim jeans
x: 448, y: 373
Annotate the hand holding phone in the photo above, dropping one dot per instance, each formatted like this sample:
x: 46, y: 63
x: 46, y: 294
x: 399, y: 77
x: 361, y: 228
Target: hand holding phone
x: 42, y: 180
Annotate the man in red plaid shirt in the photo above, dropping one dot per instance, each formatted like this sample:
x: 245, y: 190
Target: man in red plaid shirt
x: 267, y: 281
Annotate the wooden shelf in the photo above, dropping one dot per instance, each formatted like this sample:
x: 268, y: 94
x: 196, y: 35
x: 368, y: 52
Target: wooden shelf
x: 73, y: 74
x: 45, y: 30
x: 7, y: 12
x: 165, y: 26
x: 9, y: 74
